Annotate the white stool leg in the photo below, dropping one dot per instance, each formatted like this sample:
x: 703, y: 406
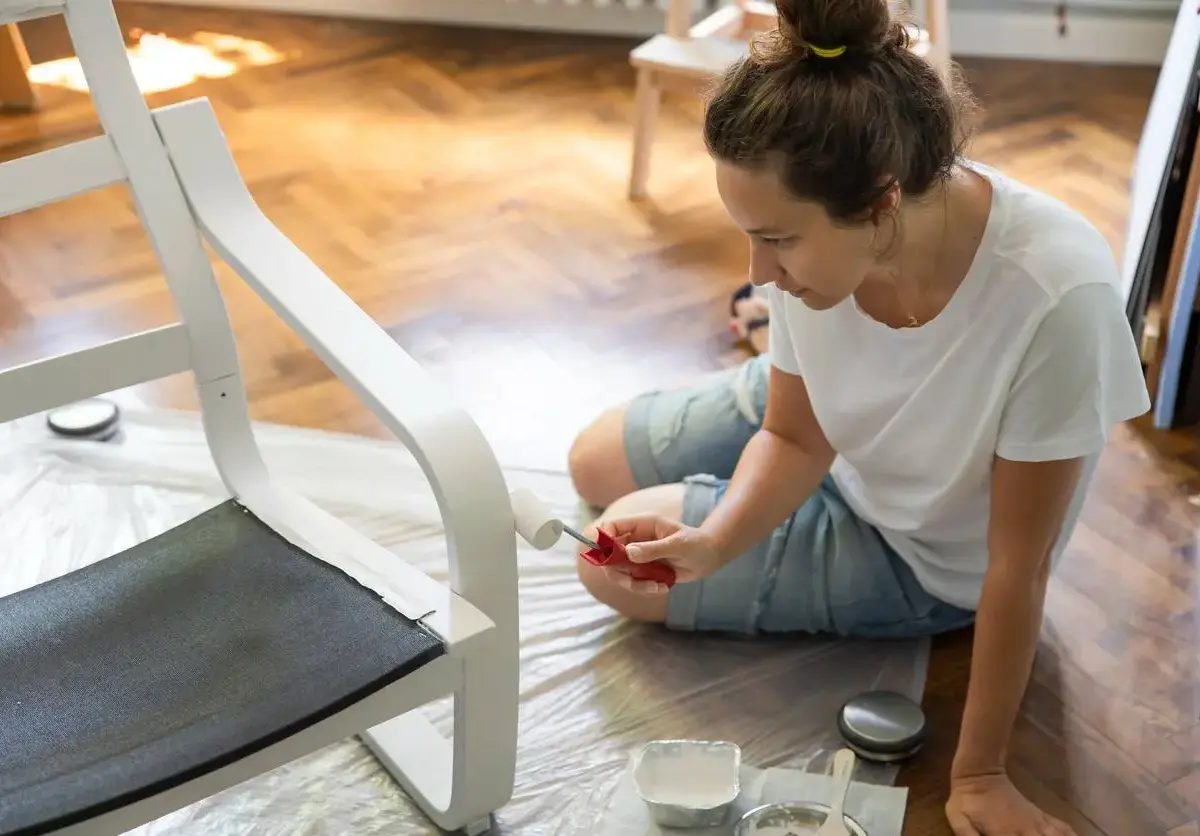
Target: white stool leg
x: 647, y: 100
x: 937, y: 26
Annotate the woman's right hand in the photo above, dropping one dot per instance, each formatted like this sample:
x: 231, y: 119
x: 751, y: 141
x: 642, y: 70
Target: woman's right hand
x: 691, y: 552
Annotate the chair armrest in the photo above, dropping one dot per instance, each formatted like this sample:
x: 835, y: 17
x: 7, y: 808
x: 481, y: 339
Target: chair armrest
x: 14, y: 11
x: 448, y: 445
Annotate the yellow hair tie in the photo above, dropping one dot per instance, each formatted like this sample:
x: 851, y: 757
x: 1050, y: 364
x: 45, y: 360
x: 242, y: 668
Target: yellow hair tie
x: 822, y: 52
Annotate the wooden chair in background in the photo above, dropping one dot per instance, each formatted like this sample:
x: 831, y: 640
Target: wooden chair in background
x: 16, y: 93
x: 689, y: 55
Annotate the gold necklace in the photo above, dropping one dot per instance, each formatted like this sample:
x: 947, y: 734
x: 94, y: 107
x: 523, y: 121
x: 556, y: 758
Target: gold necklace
x: 913, y: 321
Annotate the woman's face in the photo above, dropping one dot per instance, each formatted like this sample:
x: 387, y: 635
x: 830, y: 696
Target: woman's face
x: 794, y: 244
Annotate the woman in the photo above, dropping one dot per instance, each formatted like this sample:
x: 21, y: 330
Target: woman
x: 948, y: 351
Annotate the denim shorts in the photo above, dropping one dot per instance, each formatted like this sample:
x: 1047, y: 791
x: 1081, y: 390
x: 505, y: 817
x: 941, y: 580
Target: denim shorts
x: 824, y: 570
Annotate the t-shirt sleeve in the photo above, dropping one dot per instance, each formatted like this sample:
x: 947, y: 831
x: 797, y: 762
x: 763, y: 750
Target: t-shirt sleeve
x: 1080, y: 376
x: 782, y: 349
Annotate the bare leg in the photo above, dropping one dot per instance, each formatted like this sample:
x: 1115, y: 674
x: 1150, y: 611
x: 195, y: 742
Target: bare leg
x: 665, y: 500
x: 701, y: 427
x: 597, y: 461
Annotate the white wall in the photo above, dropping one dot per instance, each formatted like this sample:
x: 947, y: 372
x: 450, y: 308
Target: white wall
x: 1101, y: 31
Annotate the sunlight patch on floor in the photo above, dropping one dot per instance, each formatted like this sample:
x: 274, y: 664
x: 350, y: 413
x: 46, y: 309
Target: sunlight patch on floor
x: 163, y: 63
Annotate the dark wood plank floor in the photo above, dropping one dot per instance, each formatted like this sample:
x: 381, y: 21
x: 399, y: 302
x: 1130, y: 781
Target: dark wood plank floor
x: 467, y: 189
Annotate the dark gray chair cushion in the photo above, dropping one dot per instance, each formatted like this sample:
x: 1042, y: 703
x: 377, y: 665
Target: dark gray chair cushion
x: 176, y: 657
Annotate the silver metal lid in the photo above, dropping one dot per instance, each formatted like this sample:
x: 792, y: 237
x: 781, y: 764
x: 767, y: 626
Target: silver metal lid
x: 882, y: 724
x: 805, y: 816
x: 94, y: 418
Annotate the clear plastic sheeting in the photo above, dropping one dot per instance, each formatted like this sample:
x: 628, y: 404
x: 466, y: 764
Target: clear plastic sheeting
x: 593, y: 688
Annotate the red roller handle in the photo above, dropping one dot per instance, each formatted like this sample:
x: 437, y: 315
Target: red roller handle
x: 612, y: 553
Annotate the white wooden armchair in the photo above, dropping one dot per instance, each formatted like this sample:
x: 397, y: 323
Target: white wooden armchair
x: 263, y: 629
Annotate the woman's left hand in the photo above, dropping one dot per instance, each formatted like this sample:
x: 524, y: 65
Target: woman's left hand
x: 989, y: 805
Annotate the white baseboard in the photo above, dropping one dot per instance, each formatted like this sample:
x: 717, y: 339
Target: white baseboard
x: 1030, y: 34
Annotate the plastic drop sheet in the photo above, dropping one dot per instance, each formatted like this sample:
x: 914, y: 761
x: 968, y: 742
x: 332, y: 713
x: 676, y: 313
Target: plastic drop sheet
x: 593, y: 687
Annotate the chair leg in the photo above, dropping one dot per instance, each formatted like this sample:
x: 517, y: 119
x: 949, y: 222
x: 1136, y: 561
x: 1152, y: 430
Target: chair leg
x: 647, y: 99
x: 459, y: 784
x: 16, y: 93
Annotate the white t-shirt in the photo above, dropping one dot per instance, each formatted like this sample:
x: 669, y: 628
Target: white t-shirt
x: 1033, y: 359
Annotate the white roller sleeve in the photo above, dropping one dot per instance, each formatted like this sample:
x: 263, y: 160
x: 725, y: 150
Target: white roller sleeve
x: 536, y: 525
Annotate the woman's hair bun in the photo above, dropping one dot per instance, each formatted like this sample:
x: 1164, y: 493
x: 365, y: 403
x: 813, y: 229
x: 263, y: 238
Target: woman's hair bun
x: 836, y: 105
x: 857, y: 25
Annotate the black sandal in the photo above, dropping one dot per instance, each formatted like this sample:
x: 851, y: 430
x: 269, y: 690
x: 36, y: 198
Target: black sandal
x: 740, y: 295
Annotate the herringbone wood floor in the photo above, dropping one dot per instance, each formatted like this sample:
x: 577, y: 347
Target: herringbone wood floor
x: 467, y: 189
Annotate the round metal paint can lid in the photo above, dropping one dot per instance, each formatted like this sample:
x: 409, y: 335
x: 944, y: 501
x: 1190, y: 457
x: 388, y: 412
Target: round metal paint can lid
x: 804, y: 817
x: 882, y: 725
x: 94, y: 419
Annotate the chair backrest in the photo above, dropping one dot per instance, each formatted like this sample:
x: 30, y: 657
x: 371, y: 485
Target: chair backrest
x: 129, y: 151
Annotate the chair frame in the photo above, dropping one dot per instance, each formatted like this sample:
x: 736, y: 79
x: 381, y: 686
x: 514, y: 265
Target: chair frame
x: 184, y: 181
x: 16, y: 91
x: 688, y: 56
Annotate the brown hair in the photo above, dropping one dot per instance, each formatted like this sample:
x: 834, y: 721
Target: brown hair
x: 841, y: 129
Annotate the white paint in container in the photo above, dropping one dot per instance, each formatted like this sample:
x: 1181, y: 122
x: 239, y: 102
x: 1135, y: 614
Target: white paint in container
x: 688, y: 783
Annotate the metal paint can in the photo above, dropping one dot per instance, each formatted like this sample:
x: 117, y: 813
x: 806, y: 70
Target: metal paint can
x: 882, y: 726
x: 801, y: 818
x: 94, y: 419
